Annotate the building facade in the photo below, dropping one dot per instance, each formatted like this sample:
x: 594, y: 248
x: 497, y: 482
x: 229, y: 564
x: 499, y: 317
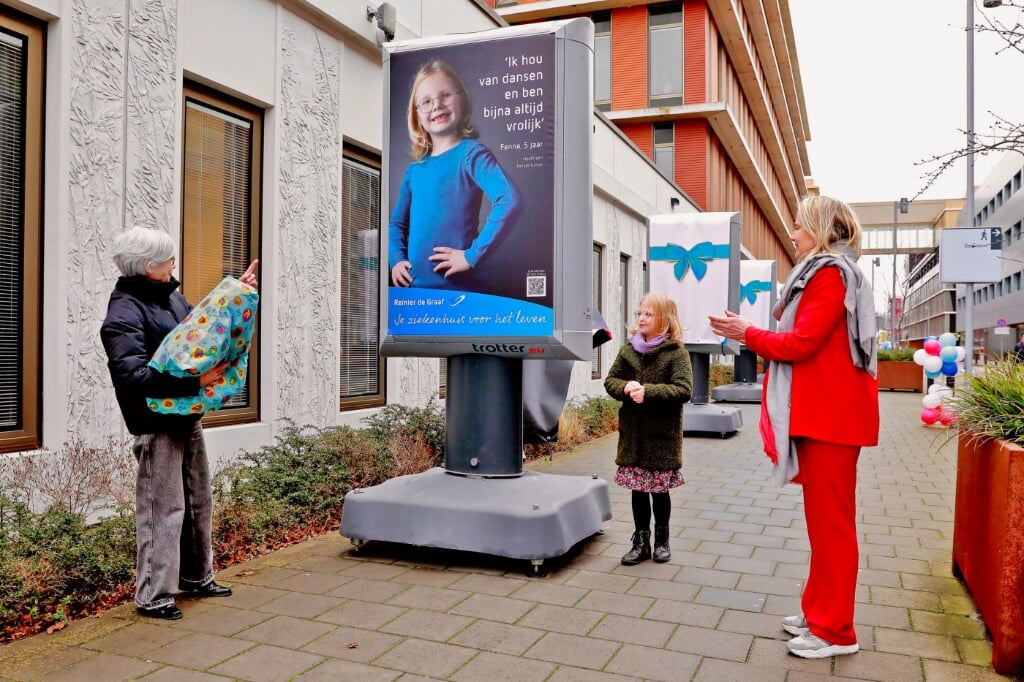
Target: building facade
x: 245, y: 129
x: 711, y: 91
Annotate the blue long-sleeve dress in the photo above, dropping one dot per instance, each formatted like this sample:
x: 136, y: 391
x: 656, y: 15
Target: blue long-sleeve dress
x: 439, y: 205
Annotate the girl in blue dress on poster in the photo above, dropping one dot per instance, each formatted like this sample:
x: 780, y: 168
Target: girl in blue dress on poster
x: 435, y: 237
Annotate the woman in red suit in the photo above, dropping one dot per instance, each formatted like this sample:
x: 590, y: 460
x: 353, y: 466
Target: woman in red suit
x: 819, y: 408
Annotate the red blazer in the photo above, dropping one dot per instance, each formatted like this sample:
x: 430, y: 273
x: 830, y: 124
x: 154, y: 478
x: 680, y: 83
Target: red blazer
x: 832, y: 400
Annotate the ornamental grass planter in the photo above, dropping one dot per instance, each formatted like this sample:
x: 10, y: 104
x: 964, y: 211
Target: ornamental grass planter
x: 988, y: 541
x: 900, y: 375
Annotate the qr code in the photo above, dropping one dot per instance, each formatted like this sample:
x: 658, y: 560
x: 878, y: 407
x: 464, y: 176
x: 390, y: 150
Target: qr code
x: 536, y: 286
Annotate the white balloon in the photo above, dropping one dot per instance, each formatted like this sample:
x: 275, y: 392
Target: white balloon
x: 933, y: 363
x: 947, y: 339
x: 961, y: 353
x: 935, y: 388
x: 920, y: 355
x: 931, y: 400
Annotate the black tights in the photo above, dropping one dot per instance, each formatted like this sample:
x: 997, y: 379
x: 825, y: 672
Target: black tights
x: 642, y: 503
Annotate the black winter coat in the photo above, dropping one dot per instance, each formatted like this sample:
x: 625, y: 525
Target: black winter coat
x: 651, y: 433
x: 140, y: 314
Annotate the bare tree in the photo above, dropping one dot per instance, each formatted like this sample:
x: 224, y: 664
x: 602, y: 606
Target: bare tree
x: 1005, y: 135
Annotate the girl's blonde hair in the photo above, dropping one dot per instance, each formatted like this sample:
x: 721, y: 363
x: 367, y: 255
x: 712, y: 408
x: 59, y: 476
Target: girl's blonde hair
x: 421, y: 142
x: 666, y: 316
x: 831, y: 222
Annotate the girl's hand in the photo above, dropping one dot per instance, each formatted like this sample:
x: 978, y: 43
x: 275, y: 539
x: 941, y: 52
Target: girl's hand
x: 637, y: 394
x: 449, y: 260
x: 249, y: 276
x: 732, y: 326
x: 401, y: 274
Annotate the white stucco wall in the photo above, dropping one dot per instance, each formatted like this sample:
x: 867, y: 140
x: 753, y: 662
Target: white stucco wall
x: 115, y: 71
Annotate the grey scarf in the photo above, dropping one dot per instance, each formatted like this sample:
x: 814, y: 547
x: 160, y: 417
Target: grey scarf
x: 860, y: 321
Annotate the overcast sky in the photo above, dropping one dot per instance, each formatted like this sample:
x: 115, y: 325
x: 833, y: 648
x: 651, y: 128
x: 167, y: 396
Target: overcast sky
x: 885, y: 87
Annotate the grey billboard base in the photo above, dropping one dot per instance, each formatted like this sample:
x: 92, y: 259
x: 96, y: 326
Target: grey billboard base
x: 738, y: 393
x: 535, y: 516
x: 704, y: 418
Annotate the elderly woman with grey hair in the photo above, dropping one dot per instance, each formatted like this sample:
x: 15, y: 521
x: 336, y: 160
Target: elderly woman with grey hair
x: 173, y: 500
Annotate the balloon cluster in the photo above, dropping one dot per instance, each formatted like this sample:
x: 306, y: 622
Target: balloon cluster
x: 939, y: 357
x: 933, y: 409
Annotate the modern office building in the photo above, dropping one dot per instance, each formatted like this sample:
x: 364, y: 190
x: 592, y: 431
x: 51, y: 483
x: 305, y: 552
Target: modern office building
x: 711, y: 91
x: 998, y: 307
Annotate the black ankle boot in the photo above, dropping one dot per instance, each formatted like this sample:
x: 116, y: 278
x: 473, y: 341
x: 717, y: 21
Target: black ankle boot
x: 641, y: 548
x: 661, y: 551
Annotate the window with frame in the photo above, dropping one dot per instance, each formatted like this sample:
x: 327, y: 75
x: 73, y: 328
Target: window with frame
x: 595, y: 298
x: 665, y: 148
x: 362, y: 368
x: 220, y: 206
x: 602, y: 60
x: 665, y: 55
x: 21, y: 156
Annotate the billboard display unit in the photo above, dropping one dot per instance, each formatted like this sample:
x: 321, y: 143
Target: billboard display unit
x: 969, y: 255
x: 487, y: 183
x: 758, y: 292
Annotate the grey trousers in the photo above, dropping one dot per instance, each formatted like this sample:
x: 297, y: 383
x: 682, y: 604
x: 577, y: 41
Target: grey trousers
x: 173, y: 515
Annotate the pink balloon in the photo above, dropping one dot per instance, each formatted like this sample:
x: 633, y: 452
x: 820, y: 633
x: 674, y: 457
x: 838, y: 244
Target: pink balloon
x: 932, y: 346
x: 947, y: 418
x: 930, y: 415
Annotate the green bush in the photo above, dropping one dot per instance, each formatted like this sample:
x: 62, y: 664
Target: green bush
x: 896, y: 354
x: 720, y: 375
x: 990, y: 403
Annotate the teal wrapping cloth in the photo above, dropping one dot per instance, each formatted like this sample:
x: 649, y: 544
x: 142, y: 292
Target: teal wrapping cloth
x: 219, y: 329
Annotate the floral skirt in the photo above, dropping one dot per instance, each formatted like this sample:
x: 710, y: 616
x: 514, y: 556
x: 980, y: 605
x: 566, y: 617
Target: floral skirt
x: 648, y: 480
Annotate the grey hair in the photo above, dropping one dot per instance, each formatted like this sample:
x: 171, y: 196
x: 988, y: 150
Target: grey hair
x: 135, y: 246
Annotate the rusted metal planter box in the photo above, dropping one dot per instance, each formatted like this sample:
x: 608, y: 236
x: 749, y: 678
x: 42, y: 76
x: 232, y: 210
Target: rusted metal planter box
x: 988, y: 542
x: 900, y: 375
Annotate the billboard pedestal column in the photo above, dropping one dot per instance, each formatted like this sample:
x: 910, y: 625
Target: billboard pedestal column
x: 701, y: 417
x: 745, y: 388
x: 482, y: 500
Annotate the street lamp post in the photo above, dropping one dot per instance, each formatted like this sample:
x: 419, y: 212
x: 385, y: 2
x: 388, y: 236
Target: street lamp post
x: 902, y: 206
x: 969, y: 302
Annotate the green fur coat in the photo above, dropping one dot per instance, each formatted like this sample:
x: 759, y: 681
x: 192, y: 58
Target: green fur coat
x: 651, y: 433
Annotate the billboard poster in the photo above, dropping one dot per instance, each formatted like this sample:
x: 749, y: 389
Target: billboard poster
x: 694, y: 259
x: 471, y: 188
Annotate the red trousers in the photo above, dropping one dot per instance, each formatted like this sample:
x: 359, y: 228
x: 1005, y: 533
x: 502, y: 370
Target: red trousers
x: 829, y: 475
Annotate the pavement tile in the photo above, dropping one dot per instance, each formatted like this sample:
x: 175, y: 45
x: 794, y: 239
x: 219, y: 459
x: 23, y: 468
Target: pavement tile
x: 42, y: 663
x: 316, y: 583
x: 353, y: 644
x: 647, y: 569
x: 882, y: 616
x: 285, y: 631
x: 959, y: 626
x: 959, y: 604
x: 497, y: 637
x: 653, y: 664
x: 712, y: 643
x: 763, y: 584
x: 975, y: 651
x: 602, y: 563
x: 602, y: 581
x: 490, y: 607
x: 265, y: 575
x: 685, y: 613
x: 570, y: 674
x: 426, y: 658
x: 916, y: 644
x: 373, y: 570
x: 611, y: 602
x: 660, y: 589
x: 561, y: 619
x: 932, y: 583
x: 222, y: 620
x: 769, y: 654
x: 106, y: 667
x: 879, y: 666
x: 732, y: 599
x: 361, y: 613
x: 267, y: 664
x: 549, y: 593
x: 251, y: 596
x: 709, y: 577
x: 136, y: 639
x: 171, y: 674
x: 714, y: 670
x: 369, y: 590
x: 333, y: 670
x: 501, y: 586
x: 421, y: 624
x: 199, y: 651
x: 322, y: 564
x: 940, y: 671
x: 491, y: 666
x: 300, y: 605
x: 427, y: 576
x: 581, y: 652
x: 869, y: 576
x: 910, y: 599
x: 432, y: 598
x: 633, y: 630
x: 757, y: 624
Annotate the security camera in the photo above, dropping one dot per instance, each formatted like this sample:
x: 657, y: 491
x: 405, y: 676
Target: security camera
x: 386, y: 16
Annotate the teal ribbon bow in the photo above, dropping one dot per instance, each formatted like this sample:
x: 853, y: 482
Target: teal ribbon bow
x: 695, y: 259
x: 751, y: 289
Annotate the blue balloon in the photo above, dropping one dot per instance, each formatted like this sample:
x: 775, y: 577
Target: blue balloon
x: 886, y: 345
x: 947, y: 339
x: 948, y: 354
x: 950, y: 368
x: 932, y: 375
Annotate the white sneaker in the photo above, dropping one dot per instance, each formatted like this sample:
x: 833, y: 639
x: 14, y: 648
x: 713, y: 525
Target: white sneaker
x: 809, y: 645
x: 796, y: 625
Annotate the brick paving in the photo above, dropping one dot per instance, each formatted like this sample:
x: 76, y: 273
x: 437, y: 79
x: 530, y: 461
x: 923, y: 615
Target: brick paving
x: 316, y: 611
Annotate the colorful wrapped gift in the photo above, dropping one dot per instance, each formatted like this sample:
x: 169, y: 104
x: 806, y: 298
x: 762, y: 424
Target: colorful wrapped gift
x: 219, y: 329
